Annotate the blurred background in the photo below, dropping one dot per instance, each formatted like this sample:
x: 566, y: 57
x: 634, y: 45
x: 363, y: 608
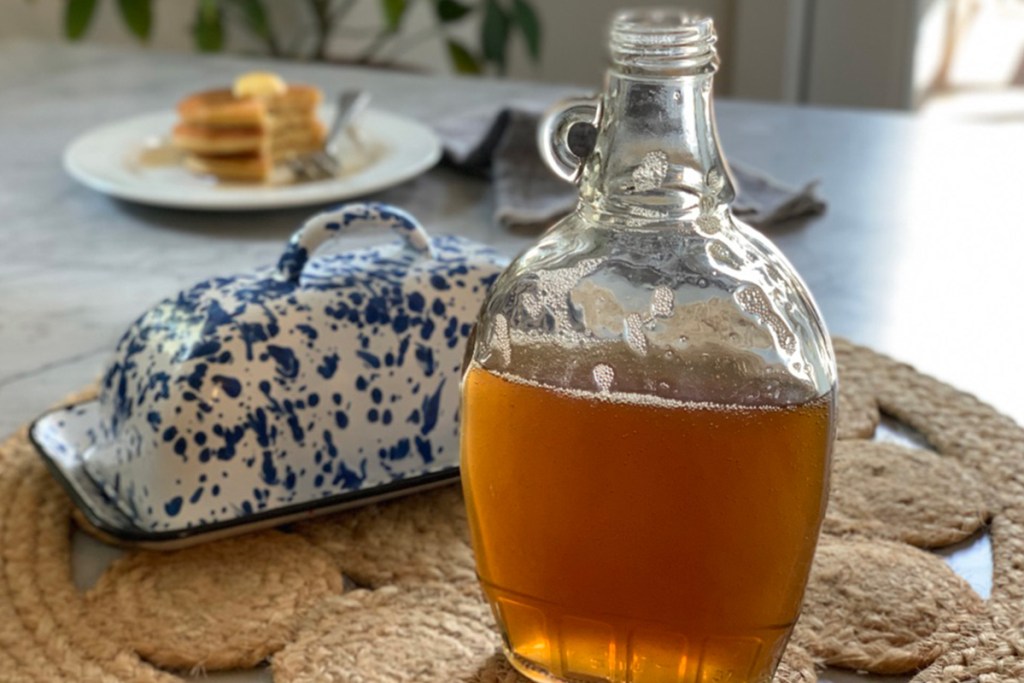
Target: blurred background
x: 961, y: 59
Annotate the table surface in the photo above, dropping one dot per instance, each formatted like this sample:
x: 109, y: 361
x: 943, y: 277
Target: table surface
x: 918, y: 255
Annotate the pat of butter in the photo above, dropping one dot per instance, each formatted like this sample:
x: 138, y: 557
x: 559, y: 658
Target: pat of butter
x: 259, y: 84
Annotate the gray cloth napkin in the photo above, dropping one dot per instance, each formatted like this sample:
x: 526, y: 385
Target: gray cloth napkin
x: 501, y: 144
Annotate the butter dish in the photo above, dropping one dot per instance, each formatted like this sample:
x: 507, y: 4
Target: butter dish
x: 251, y: 400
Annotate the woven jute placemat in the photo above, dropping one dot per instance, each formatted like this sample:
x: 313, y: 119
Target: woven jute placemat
x: 877, y: 600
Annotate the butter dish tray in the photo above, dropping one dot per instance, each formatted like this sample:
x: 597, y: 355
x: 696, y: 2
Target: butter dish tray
x: 65, y: 435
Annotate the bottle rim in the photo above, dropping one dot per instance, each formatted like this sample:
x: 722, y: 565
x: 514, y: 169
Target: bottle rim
x: 662, y: 38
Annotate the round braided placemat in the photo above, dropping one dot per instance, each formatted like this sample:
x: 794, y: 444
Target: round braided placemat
x: 874, y: 603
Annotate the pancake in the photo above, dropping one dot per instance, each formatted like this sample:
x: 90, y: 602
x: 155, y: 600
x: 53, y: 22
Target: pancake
x: 297, y: 139
x: 218, y: 140
x: 238, y: 133
x: 238, y: 167
x: 278, y: 120
x: 221, y: 108
x: 298, y: 98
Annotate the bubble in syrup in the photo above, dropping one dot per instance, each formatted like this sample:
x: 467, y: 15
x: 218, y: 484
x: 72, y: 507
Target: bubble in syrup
x: 604, y: 375
x: 709, y: 223
x: 553, y: 288
x: 500, y: 343
x: 531, y: 305
x: 723, y: 255
x: 651, y: 172
x: 641, y: 216
x: 661, y: 302
x: 753, y: 300
x: 715, y: 180
x: 634, y: 334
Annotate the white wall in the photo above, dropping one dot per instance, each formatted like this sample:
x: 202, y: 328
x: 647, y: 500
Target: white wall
x: 930, y: 47
x: 768, y: 49
x: 574, y: 32
x: 575, y: 37
x: 861, y: 53
x: 875, y: 53
x: 865, y: 53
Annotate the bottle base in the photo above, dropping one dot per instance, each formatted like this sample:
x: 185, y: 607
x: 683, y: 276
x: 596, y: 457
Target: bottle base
x: 539, y: 674
x: 535, y: 672
x: 547, y: 644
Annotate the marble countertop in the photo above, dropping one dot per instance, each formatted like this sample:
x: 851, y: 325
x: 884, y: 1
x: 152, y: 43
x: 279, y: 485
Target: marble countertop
x: 918, y: 254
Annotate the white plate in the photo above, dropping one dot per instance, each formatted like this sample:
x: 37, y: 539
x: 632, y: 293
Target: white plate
x: 107, y: 159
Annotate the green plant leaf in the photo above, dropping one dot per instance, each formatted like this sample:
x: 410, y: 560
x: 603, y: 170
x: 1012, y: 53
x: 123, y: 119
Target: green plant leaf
x: 394, y: 11
x: 494, y: 34
x: 137, y: 16
x: 255, y: 16
x: 462, y: 59
x: 208, y: 29
x: 526, y: 17
x: 77, y: 15
x: 451, y: 10
x: 257, y: 22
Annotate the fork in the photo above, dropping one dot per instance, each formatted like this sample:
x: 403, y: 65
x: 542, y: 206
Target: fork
x: 324, y: 163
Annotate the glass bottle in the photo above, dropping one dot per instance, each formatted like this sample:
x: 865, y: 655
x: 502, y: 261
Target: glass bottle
x: 648, y: 400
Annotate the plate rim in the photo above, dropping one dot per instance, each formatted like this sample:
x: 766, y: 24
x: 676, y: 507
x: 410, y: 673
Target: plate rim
x: 172, y: 539
x: 266, y: 200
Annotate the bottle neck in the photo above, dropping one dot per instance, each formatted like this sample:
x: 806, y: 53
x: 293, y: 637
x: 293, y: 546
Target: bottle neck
x: 656, y: 158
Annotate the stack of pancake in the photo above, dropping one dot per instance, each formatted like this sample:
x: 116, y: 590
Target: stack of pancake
x: 241, y: 133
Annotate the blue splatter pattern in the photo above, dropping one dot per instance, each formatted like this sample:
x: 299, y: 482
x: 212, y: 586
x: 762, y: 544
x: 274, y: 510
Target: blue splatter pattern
x: 289, y: 384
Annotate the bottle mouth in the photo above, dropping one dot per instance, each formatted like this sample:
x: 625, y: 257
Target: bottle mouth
x: 663, y: 39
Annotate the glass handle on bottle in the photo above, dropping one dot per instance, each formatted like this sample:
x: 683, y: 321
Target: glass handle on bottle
x: 553, y: 134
